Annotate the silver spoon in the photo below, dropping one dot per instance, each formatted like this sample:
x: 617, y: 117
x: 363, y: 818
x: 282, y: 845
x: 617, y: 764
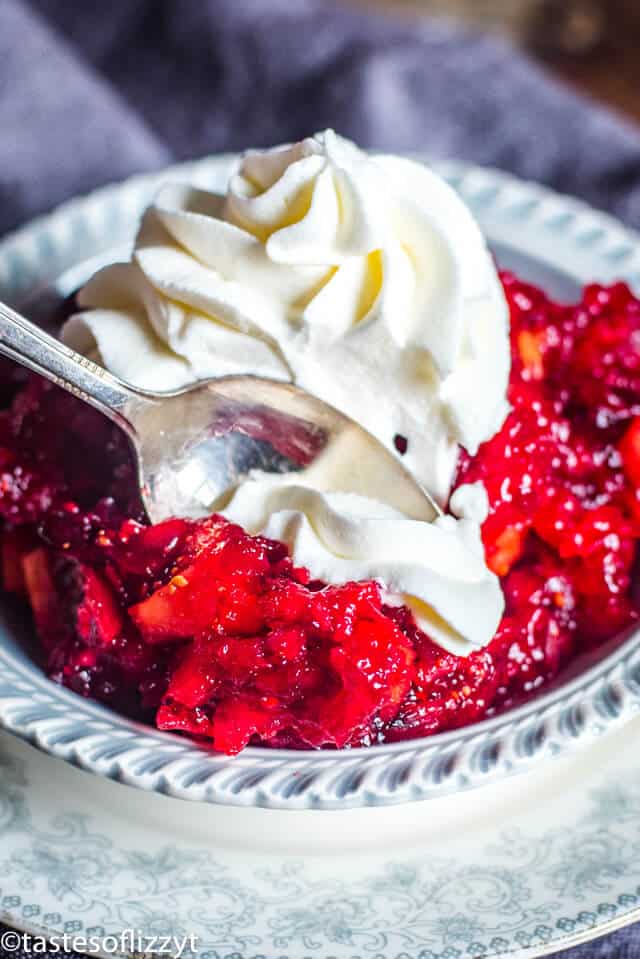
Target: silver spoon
x: 193, y: 445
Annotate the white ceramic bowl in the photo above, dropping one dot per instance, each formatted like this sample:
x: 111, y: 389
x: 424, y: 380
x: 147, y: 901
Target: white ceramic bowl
x: 557, y: 243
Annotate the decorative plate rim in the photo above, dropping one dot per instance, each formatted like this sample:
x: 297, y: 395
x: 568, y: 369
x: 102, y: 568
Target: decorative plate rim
x: 98, y: 740
x: 538, y: 951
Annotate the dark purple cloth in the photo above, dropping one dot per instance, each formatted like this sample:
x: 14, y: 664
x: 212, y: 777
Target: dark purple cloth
x: 92, y: 92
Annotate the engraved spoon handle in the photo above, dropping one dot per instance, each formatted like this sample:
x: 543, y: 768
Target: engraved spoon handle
x: 27, y: 344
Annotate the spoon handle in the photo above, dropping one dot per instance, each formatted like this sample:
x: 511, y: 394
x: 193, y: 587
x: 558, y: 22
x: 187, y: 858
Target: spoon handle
x: 27, y: 344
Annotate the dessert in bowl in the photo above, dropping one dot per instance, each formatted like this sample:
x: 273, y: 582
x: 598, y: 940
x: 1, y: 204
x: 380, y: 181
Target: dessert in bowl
x: 298, y: 616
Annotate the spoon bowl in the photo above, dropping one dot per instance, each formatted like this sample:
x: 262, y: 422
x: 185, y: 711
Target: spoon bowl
x: 194, y: 445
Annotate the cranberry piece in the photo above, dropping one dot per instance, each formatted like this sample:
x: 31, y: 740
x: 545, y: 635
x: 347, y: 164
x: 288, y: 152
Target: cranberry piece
x: 401, y: 443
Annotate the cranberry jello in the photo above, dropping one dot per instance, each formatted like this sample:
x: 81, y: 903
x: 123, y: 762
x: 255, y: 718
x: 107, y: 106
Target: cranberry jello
x: 202, y: 629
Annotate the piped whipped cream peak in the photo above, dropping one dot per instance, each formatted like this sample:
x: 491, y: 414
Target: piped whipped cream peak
x: 437, y: 569
x: 363, y: 279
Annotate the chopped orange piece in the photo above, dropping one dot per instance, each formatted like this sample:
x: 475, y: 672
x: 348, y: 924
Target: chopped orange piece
x: 43, y: 595
x: 508, y: 548
x: 14, y: 546
x: 531, y: 350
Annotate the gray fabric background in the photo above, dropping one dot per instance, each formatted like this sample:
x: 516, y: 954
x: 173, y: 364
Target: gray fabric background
x: 92, y: 92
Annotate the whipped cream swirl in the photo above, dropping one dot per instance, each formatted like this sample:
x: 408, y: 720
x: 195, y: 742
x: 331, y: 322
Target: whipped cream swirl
x: 437, y: 569
x: 367, y: 282
x: 364, y: 280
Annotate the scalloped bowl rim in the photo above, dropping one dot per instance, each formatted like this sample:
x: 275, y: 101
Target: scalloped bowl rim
x: 569, y: 714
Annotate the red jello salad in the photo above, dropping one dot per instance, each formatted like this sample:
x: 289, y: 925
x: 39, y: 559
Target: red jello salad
x: 305, y: 616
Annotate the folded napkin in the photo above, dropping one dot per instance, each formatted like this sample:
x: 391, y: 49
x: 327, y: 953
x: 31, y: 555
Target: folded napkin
x: 94, y: 92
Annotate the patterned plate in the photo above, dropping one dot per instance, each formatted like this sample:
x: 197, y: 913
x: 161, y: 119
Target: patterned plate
x: 518, y: 868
